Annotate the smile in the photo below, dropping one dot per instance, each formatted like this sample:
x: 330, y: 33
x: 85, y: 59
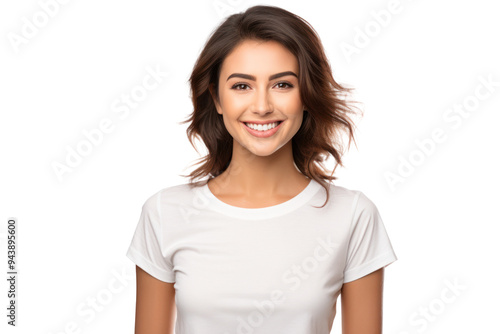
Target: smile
x: 262, y: 130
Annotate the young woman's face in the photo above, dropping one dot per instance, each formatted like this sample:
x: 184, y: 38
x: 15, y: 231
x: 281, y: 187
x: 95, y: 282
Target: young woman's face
x: 259, y: 83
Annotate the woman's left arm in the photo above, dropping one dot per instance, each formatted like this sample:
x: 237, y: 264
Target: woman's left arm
x: 361, y: 302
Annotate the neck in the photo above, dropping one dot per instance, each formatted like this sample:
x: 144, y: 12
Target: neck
x: 262, y: 176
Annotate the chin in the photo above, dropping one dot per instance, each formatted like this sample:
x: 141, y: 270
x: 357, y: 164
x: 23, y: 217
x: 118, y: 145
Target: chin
x: 265, y: 151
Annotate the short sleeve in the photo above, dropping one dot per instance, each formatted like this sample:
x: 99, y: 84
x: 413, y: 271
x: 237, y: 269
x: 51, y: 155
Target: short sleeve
x: 145, y: 250
x: 369, y: 246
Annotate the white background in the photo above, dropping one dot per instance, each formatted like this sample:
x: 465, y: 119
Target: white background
x: 74, y: 231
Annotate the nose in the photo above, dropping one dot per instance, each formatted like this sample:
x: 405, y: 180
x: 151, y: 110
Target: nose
x: 262, y: 102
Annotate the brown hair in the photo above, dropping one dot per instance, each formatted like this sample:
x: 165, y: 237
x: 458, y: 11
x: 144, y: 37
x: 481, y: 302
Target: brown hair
x: 326, y: 114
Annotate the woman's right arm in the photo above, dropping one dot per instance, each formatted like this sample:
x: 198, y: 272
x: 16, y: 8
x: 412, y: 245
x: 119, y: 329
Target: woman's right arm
x: 155, y: 309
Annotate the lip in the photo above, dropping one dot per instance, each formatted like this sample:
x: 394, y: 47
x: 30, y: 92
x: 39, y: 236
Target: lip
x: 263, y: 122
x: 262, y: 134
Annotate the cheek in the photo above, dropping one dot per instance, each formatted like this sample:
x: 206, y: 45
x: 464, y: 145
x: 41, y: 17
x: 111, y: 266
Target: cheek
x: 290, y: 102
x: 233, y: 104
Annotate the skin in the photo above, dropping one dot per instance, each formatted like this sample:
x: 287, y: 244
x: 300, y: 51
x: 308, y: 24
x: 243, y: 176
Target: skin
x: 361, y: 302
x: 155, y: 305
x: 261, y: 174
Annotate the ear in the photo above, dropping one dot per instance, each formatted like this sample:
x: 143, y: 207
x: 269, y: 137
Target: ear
x: 214, y: 98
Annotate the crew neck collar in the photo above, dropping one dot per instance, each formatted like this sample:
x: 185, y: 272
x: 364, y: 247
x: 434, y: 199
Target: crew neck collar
x: 261, y: 213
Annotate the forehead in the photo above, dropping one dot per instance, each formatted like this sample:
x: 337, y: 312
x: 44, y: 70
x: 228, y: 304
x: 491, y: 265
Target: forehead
x: 259, y: 58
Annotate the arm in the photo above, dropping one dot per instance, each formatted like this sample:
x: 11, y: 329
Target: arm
x: 361, y: 302
x: 155, y: 305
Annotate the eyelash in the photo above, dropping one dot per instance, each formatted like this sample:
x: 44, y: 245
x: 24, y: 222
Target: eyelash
x: 243, y: 84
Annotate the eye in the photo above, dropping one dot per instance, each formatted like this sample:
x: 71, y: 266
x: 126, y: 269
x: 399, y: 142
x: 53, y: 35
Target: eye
x: 238, y: 85
x: 284, y: 83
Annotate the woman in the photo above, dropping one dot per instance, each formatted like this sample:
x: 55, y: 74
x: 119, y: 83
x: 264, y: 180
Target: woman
x: 251, y: 249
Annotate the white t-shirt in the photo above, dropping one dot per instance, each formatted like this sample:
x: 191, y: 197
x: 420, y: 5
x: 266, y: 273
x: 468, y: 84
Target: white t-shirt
x: 277, y: 269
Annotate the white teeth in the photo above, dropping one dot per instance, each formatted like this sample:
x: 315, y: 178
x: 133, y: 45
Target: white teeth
x: 260, y: 127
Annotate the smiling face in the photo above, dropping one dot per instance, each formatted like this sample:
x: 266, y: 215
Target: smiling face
x: 258, y: 83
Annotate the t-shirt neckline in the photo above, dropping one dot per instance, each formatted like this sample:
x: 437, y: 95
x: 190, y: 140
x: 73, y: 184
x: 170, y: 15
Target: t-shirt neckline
x: 262, y: 213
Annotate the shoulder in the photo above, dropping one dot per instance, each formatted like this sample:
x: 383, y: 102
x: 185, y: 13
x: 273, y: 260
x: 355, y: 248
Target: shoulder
x: 356, y: 199
x: 343, y: 194
x: 177, y: 194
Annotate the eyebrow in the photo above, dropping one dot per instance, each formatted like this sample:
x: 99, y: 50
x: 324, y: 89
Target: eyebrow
x: 251, y: 77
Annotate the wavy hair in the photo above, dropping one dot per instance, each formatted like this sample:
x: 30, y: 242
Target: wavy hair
x: 327, y: 112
